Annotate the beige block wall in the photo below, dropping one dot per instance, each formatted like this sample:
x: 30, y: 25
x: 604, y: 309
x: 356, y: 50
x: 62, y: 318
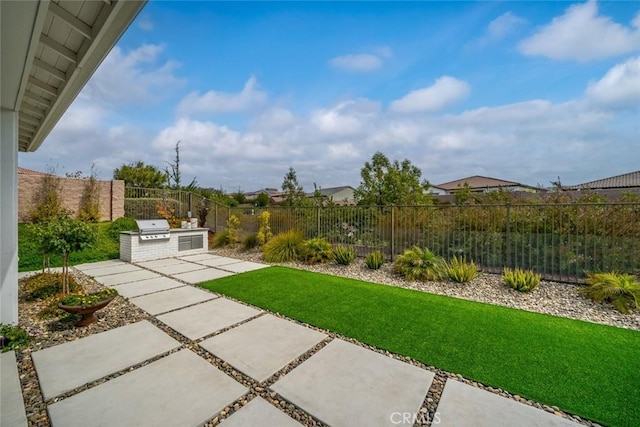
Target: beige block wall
x: 111, y: 196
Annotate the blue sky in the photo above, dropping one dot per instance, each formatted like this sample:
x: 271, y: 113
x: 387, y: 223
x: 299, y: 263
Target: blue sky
x: 523, y: 91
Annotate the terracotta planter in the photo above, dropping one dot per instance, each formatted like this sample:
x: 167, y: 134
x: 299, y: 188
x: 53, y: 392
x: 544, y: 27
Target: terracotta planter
x: 87, y: 313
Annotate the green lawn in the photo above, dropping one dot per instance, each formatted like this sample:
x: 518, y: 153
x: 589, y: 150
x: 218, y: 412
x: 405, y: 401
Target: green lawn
x: 30, y: 257
x: 587, y: 369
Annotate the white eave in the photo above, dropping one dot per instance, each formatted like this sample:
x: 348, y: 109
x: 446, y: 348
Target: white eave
x: 50, y: 49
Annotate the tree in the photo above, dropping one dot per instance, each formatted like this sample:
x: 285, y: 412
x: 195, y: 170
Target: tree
x: 140, y: 175
x: 174, y: 175
x: 294, y: 193
x: 391, y: 183
x: 262, y: 200
x: 239, y: 197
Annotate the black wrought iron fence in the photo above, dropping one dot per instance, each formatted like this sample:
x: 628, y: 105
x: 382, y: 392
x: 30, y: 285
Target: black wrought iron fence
x: 560, y: 241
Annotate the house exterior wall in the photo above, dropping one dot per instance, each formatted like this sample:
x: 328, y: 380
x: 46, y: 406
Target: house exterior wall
x: 110, y: 195
x: 342, y: 195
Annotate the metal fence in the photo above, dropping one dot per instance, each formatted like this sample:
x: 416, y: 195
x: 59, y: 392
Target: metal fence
x: 560, y: 241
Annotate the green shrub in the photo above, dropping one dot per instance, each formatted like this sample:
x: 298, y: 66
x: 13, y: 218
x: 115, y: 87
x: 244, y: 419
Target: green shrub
x: 621, y: 290
x: 250, y: 242
x: 317, y: 251
x: 13, y: 337
x: 121, y: 224
x: 87, y: 300
x: 222, y: 239
x: 45, y: 285
x: 520, y: 280
x: 284, y: 247
x: 461, y: 271
x: 420, y: 264
x: 344, y: 255
x: 374, y: 260
x: 233, y: 229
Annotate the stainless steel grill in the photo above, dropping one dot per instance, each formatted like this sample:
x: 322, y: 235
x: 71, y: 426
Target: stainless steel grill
x: 153, y: 229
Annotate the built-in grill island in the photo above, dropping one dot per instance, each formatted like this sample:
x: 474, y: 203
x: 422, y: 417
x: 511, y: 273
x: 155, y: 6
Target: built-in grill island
x: 155, y: 239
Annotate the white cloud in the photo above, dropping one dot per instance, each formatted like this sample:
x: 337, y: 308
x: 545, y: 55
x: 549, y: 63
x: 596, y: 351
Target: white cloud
x: 134, y: 77
x: 357, y: 62
x: 444, y: 92
x: 620, y: 86
x: 145, y: 23
x: 583, y: 35
x: 503, y: 25
x: 348, y: 118
x: 248, y: 98
x: 274, y: 119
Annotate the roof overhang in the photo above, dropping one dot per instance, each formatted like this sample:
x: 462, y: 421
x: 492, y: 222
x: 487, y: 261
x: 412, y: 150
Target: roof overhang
x: 50, y: 49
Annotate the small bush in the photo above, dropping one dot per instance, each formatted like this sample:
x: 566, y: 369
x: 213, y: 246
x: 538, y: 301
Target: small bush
x: 317, y: 251
x: 121, y: 224
x: 233, y: 229
x: 621, y: 290
x: 222, y: 239
x: 284, y: 247
x: 520, y: 280
x: 420, y: 264
x: 344, y: 255
x: 264, y: 229
x: 45, y: 285
x: 461, y: 271
x: 13, y: 337
x: 250, y: 242
x: 374, y: 260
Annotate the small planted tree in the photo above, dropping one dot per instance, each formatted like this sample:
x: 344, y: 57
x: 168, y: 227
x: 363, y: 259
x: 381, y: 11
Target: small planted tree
x: 65, y: 235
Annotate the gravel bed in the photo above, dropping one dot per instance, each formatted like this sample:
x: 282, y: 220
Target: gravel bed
x: 554, y: 298
x: 550, y: 297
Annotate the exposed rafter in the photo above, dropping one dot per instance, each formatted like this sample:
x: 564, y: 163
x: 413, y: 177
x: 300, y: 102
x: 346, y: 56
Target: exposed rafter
x: 37, y: 98
x: 49, y: 69
x: 73, y: 22
x: 28, y: 118
x: 58, y: 48
x: 37, y: 112
x: 27, y: 127
x: 44, y: 86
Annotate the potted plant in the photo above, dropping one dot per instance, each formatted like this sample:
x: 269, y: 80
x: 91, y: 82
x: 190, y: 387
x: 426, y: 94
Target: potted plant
x: 65, y: 235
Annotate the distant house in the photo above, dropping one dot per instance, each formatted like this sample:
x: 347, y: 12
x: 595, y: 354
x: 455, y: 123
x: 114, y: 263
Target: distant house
x: 625, y: 181
x: 437, y: 191
x: 342, y: 196
x: 484, y: 184
x: 275, y: 195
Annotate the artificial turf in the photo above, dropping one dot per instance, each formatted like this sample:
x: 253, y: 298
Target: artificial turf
x: 587, y: 369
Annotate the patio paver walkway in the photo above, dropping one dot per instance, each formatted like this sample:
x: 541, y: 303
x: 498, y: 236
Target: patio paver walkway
x: 12, y: 413
x: 147, y: 286
x: 346, y: 385
x: 181, y: 389
x: 98, y: 355
x: 263, y: 346
x: 259, y: 412
x: 171, y: 299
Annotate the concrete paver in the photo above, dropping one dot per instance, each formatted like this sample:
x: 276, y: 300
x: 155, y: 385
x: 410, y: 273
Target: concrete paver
x: 463, y: 405
x: 204, y: 275
x: 12, y: 413
x: 243, y: 267
x: 219, y: 261
x: 148, y: 286
x: 120, y: 278
x: 182, y: 267
x: 263, y: 346
x: 259, y: 412
x: 181, y: 389
x: 159, y: 262
x: 206, y: 318
x: 161, y: 302
x: 345, y: 385
x: 70, y: 365
x: 198, y: 257
x: 113, y: 269
x: 100, y: 264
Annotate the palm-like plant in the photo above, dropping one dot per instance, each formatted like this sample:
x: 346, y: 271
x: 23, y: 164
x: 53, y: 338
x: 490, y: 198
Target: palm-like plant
x: 621, y: 290
x: 420, y: 264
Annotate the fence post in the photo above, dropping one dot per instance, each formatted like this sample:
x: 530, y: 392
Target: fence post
x: 215, y: 226
x: 190, y: 204
x: 508, y: 235
x: 393, y: 232
x: 318, y: 233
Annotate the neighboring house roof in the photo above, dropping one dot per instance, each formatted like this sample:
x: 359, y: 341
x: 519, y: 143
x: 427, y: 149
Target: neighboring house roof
x: 478, y: 181
x: 268, y: 191
x: 627, y: 180
x: 328, y: 192
x: 23, y: 171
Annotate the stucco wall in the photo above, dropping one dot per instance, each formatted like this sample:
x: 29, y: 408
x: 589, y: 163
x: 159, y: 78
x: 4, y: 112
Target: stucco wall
x: 111, y: 196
